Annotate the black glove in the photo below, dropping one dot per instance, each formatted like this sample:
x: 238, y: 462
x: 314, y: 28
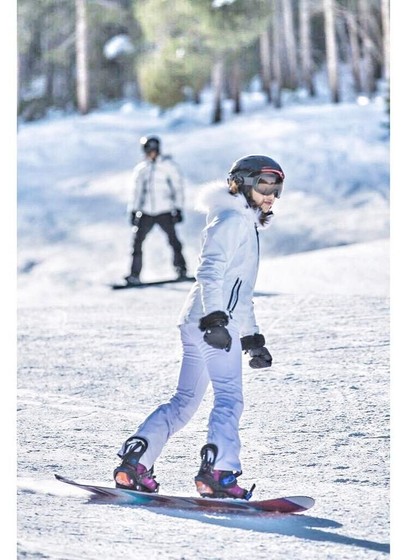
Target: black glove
x: 215, y: 332
x: 252, y: 341
x: 254, y: 345
x: 135, y: 217
x: 260, y: 358
x: 177, y: 216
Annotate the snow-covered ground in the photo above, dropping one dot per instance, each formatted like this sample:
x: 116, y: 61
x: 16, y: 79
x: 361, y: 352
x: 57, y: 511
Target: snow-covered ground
x: 92, y: 362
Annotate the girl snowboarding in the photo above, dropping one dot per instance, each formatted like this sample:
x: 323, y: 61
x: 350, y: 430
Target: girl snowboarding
x: 216, y: 324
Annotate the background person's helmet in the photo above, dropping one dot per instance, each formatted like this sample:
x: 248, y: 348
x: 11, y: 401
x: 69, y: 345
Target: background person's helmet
x: 260, y: 173
x: 150, y: 143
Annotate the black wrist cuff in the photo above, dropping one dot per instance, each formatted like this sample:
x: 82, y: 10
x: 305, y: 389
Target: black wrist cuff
x: 252, y: 341
x: 215, y: 319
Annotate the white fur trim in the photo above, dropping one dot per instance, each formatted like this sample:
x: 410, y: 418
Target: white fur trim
x: 215, y: 197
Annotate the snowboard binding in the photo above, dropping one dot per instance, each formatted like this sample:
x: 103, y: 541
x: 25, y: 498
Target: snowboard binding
x: 131, y: 474
x: 213, y: 483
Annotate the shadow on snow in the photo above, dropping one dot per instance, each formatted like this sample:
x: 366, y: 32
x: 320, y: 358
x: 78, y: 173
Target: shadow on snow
x: 293, y: 525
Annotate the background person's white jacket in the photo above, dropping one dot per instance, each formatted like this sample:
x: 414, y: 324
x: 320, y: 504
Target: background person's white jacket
x: 158, y: 187
x: 228, y: 263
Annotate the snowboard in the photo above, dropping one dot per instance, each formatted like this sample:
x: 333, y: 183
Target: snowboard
x: 284, y: 505
x: 126, y: 286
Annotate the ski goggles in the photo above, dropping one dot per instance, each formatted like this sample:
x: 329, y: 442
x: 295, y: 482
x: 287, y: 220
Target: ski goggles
x: 267, y: 183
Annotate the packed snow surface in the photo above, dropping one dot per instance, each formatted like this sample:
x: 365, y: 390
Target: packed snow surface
x: 93, y: 362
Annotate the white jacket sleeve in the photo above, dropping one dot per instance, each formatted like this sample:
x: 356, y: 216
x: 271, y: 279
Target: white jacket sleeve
x: 250, y: 326
x: 137, y: 178
x: 219, y: 246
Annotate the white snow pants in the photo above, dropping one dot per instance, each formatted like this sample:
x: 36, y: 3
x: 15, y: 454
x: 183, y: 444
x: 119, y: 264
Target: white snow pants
x: 201, y: 364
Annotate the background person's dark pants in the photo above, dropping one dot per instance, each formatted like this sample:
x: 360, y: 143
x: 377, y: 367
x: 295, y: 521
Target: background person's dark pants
x: 144, y: 225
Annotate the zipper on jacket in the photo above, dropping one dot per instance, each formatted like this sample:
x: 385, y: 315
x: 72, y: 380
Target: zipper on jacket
x: 147, y: 188
x: 142, y: 198
x: 234, y: 296
x: 258, y: 243
x: 152, y: 191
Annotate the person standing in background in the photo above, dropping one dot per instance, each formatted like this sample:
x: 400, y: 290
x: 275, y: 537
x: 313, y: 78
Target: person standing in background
x: 158, y: 198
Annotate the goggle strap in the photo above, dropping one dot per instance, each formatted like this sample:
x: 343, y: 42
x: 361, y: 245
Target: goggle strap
x: 251, y: 181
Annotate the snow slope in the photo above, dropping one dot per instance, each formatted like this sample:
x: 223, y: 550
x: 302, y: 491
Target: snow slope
x: 92, y: 362
x: 74, y: 183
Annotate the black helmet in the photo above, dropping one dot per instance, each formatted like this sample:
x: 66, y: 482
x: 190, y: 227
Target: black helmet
x: 260, y: 173
x: 150, y: 143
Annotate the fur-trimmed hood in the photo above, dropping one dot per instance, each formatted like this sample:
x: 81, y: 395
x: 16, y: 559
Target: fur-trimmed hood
x: 215, y: 198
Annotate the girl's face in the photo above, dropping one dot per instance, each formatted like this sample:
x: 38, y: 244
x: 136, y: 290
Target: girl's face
x: 263, y: 201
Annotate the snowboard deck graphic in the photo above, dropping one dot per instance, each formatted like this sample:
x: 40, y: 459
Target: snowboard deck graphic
x: 284, y: 505
x: 155, y: 283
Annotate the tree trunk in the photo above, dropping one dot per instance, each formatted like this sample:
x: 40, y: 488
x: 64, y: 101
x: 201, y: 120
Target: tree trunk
x: 331, y: 49
x: 306, y: 47
x: 290, y: 42
x: 48, y: 64
x: 217, y: 82
x: 265, y: 64
x: 236, y: 86
x: 276, y: 58
x: 385, y: 38
x: 367, y: 47
x: 49, y: 83
x: 354, y: 50
x: 82, y: 66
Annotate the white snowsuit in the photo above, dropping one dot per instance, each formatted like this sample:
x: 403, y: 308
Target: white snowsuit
x: 226, y: 277
x: 158, y: 195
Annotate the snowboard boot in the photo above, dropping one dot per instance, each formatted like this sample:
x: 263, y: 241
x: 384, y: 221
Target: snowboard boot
x: 132, y: 280
x: 181, y: 272
x: 131, y: 474
x: 213, y: 483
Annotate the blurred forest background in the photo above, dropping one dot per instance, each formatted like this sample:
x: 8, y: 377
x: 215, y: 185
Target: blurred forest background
x: 76, y: 55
